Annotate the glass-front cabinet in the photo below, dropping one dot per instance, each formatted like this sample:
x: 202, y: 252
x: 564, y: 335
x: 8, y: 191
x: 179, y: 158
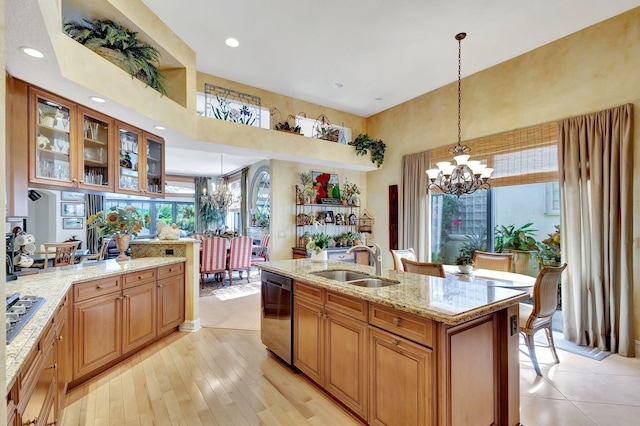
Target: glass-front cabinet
x: 52, y: 151
x: 96, y: 161
x: 154, y: 171
x: 130, y: 168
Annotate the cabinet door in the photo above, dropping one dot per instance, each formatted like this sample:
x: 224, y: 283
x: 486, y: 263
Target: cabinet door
x: 138, y: 316
x: 38, y: 407
x: 97, y: 325
x: 154, y: 166
x: 64, y: 356
x: 400, y: 382
x: 308, y: 326
x: 52, y: 146
x: 346, y: 360
x: 170, y: 303
x: 130, y: 167
x: 95, y: 153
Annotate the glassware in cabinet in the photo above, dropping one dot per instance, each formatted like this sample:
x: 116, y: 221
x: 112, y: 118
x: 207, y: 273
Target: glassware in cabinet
x: 130, y: 142
x: 96, y: 159
x: 52, y: 120
x: 154, y: 171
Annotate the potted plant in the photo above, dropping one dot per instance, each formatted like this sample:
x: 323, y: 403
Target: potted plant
x: 120, y: 46
x: 549, y: 253
x: 318, y: 245
x: 349, y: 192
x: 363, y: 143
x: 122, y: 222
x: 519, y: 241
x: 464, y: 262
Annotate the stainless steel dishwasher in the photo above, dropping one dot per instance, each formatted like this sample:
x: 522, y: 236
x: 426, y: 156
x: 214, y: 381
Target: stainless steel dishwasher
x: 276, y: 307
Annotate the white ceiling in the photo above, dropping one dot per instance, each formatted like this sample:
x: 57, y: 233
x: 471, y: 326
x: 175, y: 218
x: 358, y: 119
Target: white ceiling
x: 393, y: 50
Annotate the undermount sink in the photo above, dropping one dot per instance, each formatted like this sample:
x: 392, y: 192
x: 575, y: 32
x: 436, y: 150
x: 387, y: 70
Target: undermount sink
x: 373, y: 282
x: 354, y: 278
x: 340, y: 275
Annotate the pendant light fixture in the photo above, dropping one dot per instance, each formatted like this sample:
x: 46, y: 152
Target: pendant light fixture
x: 221, y: 196
x: 463, y: 176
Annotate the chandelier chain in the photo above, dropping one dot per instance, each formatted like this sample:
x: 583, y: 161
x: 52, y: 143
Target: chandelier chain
x: 459, y: 38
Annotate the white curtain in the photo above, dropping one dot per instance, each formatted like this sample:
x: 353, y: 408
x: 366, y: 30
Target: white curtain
x: 414, y: 229
x: 596, y: 170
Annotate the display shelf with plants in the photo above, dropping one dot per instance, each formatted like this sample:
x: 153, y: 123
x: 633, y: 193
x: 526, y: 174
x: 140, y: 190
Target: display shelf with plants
x: 120, y: 46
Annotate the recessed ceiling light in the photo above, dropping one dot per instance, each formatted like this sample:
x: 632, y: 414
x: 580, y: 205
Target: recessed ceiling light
x: 97, y: 99
x: 32, y: 52
x: 159, y: 127
x: 232, y: 42
x: 377, y: 99
x: 338, y: 85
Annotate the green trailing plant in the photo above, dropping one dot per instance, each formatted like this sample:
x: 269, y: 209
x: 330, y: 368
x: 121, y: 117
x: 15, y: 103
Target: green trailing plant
x: 138, y: 59
x: 508, y: 238
x: 365, y: 143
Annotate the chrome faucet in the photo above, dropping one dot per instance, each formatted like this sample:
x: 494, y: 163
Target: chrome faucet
x: 377, y: 254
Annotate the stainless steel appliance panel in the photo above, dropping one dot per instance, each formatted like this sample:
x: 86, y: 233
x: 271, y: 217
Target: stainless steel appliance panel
x: 276, y: 310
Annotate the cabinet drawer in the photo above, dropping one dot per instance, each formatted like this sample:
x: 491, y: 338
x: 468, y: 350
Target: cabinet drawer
x: 88, y: 290
x: 170, y: 270
x: 61, y: 313
x: 33, y: 367
x: 312, y: 294
x: 401, y: 323
x: 347, y: 305
x: 342, y: 256
x: 140, y: 277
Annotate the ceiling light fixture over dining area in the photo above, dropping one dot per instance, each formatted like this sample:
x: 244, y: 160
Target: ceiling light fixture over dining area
x: 464, y: 176
x: 221, y: 196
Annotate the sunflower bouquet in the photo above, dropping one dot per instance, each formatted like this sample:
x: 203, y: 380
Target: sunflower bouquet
x: 125, y: 220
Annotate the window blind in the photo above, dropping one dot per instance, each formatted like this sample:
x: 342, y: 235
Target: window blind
x: 518, y: 157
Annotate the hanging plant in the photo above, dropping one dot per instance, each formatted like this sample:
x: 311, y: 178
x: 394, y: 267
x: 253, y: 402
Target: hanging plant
x: 364, y: 143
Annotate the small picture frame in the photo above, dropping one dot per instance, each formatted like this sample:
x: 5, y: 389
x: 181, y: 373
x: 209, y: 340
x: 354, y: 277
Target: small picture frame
x: 72, y: 209
x: 72, y: 196
x: 72, y: 223
x: 339, y: 219
x: 353, y: 220
x: 328, y: 217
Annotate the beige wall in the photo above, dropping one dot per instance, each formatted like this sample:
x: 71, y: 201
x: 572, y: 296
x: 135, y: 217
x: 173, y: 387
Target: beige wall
x: 284, y: 177
x: 591, y: 70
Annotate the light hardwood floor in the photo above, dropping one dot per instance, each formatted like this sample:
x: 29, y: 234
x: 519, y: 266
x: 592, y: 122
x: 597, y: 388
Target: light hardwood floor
x: 226, y: 377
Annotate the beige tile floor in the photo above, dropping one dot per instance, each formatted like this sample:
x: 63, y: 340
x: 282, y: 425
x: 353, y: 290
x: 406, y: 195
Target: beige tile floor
x: 577, y: 391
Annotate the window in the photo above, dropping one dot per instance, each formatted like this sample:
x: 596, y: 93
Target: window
x: 180, y: 213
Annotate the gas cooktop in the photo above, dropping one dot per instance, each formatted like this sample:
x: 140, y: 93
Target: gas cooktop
x: 19, y: 310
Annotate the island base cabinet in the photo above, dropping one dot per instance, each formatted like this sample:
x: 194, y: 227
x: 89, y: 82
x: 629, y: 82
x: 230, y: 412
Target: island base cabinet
x: 308, y: 324
x: 346, y: 361
x: 400, y: 382
x: 139, y: 316
x: 170, y: 303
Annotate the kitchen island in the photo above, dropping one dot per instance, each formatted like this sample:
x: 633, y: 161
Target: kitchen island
x: 423, y: 350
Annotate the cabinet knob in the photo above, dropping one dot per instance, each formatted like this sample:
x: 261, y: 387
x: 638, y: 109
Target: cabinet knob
x: 159, y: 285
x: 396, y: 321
x: 98, y: 287
x: 140, y: 277
x: 31, y: 422
x: 53, y: 367
x: 319, y: 314
x: 119, y: 298
x: 325, y: 316
x: 394, y: 342
x: 59, y: 339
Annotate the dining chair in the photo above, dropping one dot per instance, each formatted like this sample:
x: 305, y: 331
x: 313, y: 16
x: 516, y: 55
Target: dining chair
x: 64, y: 254
x: 399, y: 254
x: 96, y: 257
x: 424, y: 268
x: 260, y: 253
x: 494, y: 261
x: 240, y: 256
x: 214, y: 257
x: 533, y: 318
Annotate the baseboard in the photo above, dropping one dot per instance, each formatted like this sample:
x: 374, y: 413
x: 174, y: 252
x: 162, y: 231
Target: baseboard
x: 191, y: 325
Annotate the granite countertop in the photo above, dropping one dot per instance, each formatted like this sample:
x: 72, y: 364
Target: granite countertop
x: 157, y: 241
x: 447, y: 300
x: 52, y: 284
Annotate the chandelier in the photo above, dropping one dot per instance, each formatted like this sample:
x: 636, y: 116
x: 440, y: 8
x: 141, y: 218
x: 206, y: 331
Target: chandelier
x: 464, y: 176
x: 221, y: 196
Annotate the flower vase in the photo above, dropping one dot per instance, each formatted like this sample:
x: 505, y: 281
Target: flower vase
x: 319, y: 256
x: 122, y: 242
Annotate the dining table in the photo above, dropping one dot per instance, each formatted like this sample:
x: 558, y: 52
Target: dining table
x: 492, y: 278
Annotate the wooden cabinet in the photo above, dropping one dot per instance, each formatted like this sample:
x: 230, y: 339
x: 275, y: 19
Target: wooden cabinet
x: 115, y: 316
x: 141, y: 162
x: 330, y: 343
x: 17, y: 149
x: 401, y: 383
x: 171, y: 297
x: 64, y: 372
x: 53, y: 149
x: 96, y: 165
